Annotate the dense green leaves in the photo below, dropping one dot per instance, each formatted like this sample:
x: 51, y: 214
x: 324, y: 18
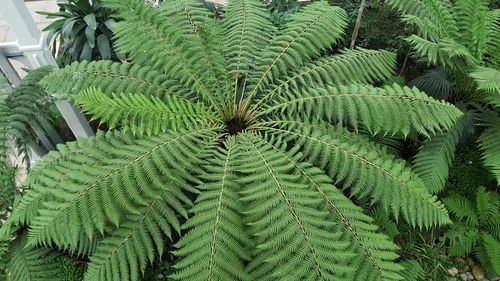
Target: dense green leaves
x: 111, y: 77
x: 367, y: 169
x: 355, y: 105
x: 477, y: 228
x: 25, y: 264
x: 307, y: 33
x: 214, y: 247
x: 141, y: 114
x: 436, y: 154
x: 294, y: 238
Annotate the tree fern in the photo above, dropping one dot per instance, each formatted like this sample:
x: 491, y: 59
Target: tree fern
x: 463, y: 38
x: 224, y: 116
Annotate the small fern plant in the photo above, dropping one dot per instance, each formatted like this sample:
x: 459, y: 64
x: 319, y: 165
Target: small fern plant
x: 477, y: 229
x: 463, y: 40
x: 235, y: 142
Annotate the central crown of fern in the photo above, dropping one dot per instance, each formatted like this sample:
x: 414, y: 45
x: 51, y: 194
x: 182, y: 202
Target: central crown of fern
x: 239, y: 137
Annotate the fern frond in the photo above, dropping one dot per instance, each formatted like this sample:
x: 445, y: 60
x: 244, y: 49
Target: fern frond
x: 375, y: 253
x: 168, y: 40
x: 374, y: 108
x: 311, y: 30
x: 463, y: 239
x: 487, y: 204
x: 121, y: 255
x: 214, y: 247
x: 112, y: 77
x: 142, y: 114
x: 492, y: 249
x: 487, y: 79
x: 492, y: 56
x: 289, y: 227
x: 27, y: 208
x: 463, y: 209
x: 202, y: 37
x: 473, y: 22
x: 437, y: 11
x: 488, y: 142
x: 248, y: 29
x: 348, y: 158
x: 413, y: 271
x: 434, y: 157
x: 30, y: 113
x: 126, y: 174
x: 350, y: 66
x: 27, y: 264
x: 434, y: 82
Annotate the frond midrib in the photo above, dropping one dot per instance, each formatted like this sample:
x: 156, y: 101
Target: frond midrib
x: 292, y: 210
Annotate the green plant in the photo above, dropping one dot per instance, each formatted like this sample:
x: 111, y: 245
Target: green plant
x: 69, y: 270
x: 477, y: 228
x: 225, y: 138
x: 24, y: 116
x: 464, y: 40
x: 83, y: 28
x: 466, y: 173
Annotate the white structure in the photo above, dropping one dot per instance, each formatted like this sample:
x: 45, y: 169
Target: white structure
x: 31, y: 49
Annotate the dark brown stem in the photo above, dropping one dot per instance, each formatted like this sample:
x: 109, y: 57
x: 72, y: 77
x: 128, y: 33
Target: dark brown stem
x: 405, y: 62
x: 358, y: 23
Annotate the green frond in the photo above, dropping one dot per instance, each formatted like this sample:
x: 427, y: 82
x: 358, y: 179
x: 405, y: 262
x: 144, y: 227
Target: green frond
x: 435, y: 155
x: 214, y: 247
x: 142, y: 114
x: 374, y: 108
x: 487, y: 79
x: 492, y: 249
x: 487, y: 204
x: 350, y: 66
x: 463, y: 209
x: 413, y: 271
x: 446, y: 53
x: 294, y: 236
x: 112, y: 77
x: 27, y: 208
x: 473, y: 22
x: 126, y: 174
x: 462, y: 239
x: 436, y: 11
x: 170, y: 40
x: 492, y: 56
x: 488, y: 142
x: 124, y: 254
x: 28, y: 264
x: 314, y: 28
x: 29, y: 113
x: 354, y: 161
x: 435, y: 83
x: 375, y: 253
x: 248, y: 30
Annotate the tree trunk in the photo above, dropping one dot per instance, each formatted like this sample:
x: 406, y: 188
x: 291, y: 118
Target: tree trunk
x: 358, y: 23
